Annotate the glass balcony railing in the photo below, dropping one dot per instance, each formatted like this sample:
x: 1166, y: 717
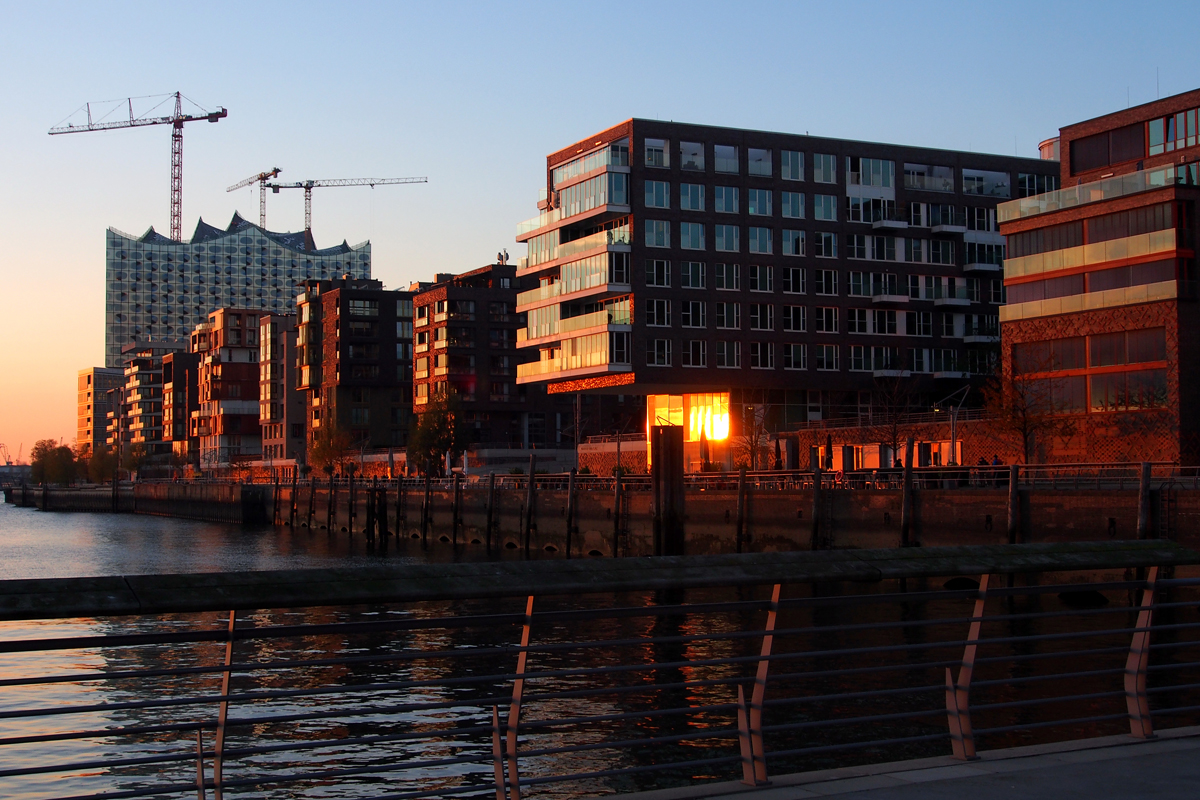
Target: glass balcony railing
x: 929, y: 183
x: 616, y: 236
x: 540, y: 221
x: 535, y: 368
x: 1087, y: 254
x: 541, y: 293
x: 1094, y: 192
x: 614, y: 315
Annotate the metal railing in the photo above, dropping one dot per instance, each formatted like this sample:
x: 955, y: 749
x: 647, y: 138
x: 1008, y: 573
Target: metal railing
x: 497, y: 680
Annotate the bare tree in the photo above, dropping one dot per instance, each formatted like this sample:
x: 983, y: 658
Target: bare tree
x: 896, y: 399
x: 751, y: 446
x: 1031, y: 404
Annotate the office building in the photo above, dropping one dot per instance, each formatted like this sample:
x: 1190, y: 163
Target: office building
x: 280, y: 402
x: 354, y: 360
x: 93, y: 403
x: 1101, y: 330
x: 226, y: 422
x: 750, y: 280
x: 157, y: 289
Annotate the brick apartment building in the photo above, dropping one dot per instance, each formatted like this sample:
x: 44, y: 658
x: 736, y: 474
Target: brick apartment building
x: 466, y: 331
x: 354, y: 360
x: 138, y: 419
x: 280, y: 403
x: 226, y: 422
x: 732, y: 275
x: 181, y: 399
x: 1101, y: 326
x: 94, y: 404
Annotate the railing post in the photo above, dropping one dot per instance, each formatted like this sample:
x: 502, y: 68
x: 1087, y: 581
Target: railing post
x: 457, y: 517
x: 491, y: 511
x: 815, y: 536
x: 616, y: 535
x: 570, y: 508
x: 1137, y: 662
x: 401, y: 506
x: 292, y: 503
x: 758, y: 755
x: 425, y: 509
x: 530, y: 499
x: 1014, y: 504
x: 381, y: 505
x: 906, y: 498
x: 514, y: 711
x: 331, y: 505
x: 1143, y: 518
x: 958, y: 692
x: 223, y: 712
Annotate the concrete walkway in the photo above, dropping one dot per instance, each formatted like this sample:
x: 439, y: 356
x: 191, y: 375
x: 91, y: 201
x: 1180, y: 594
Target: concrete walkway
x: 1108, y: 768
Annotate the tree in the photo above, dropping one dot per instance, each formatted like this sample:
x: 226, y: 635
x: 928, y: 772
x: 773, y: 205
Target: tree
x: 133, y: 457
x: 436, y: 432
x: 896, y: 399
x: 751, y: 445
x: 102, y: 465
x: 52, y: 462
x: 1034, y: 409
x: 331, y: 447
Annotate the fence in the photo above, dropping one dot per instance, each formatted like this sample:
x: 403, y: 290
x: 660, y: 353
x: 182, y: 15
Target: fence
x: 566, y: 679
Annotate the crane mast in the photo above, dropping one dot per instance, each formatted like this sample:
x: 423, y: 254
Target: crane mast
x: 262, y: 179
x: 176, y: 120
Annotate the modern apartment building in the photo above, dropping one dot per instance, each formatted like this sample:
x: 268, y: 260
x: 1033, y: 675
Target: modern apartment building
x: 158, y: 289
x: 354, y: 360
x: 181, y: 399
x: 280, y: 403
x: 226, y: 423
x: 139, y: 418
x: 466, y: 331
x: 733, y: 275
x: 1101, y: 328
x: 93, y: 402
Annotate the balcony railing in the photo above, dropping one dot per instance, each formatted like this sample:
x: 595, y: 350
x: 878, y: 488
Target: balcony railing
x: 929, y: 183
x: 1094, y: 192
x: 540, y: 221
x: 608, y: 238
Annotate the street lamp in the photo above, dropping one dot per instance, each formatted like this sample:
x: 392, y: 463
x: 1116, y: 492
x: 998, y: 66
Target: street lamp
x: 953, y: 408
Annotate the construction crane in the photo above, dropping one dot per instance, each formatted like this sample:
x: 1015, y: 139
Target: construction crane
x: 262, y: 179
x: 308, y: 186
x: 175, y: 120
x: 5, y: 454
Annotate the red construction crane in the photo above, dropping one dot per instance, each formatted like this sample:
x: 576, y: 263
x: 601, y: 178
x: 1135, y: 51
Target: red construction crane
x: 175, y: 120
x: 262, y: 179
x: 308, y: 186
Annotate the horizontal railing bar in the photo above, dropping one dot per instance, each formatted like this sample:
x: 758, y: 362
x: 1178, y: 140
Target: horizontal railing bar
x: 1178, y: 687
x: 827, y: 748
x: 1180, y: 665
x: 682, y: 737
x: 1050, y: 724
x: 107, y: 763
x: 1035, y: 701
x: 976, y: 684
x: 818, y: 698
x: 825, y: 673
x: 826, y: 723
x: 104, y: 733
x: 652, y: 713
x: 612, y: 773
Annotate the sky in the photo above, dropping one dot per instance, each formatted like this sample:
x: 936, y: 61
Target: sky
x: 475, y: 96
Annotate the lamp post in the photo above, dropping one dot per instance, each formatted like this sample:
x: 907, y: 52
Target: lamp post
x: 953, y: 409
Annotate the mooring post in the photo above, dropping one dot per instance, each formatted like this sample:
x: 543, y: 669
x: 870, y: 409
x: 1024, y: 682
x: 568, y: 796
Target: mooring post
x: 331, y: 505
x: 1014, y: 505
x: 570, y: 508
x: 401, y: 506
x: 616, y: 540
x: 815, y: 536
x: 425, y: 510
x: 116, y: 493
x: 351, y: 511
x: 275, y: 512
x: 292, y: 502
x: 491, y: 512
x: 741, y: 508
x: 1143, y: 519
x: 370, y: 526
x: 457, y: 517
x: 906, y: 499
x: 530, y: 499
x: 312, y: 501
x: 381, y: 505
x: 45, y: 497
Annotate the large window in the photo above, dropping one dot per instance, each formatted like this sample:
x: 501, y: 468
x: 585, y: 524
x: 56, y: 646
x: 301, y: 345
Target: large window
x: 691, y: 155
x: 793, y: 280
x: 727, y: 277
x: 825, y: 244
x: 986, y: 183
x: 795, y: 319
x: 695, y: 353
x: 762, y: 317
x: 658, y: 273
x: 758, y: 202
x: 758, y: 162
x: 691, y: 236
x: 825, y: 319
x: 657, y: 154
x: 728, y: 237
x: 760, y: 240
x: 795, y: 356
x: 691, y: 314
x: 762, y: 355
x: 616, y: 154
x: 929, y: 178
x: 793, y: 243
x: 658, y: 352
x: 725, y: 158
x: 1030, y: 184
x: 825, y: 207
x: 824, y: 168
x: 825, y: 282
x: 658, y: 233
x: 691, y: 197
x: 364, y: 308
x: 760, y: 278
x: 791, y: 165
x: 870, y: 172
x: 827, y: 357
x: 658, y: 313
x: 692, y: 275
x: 792, y: 204
x: 856, y: 320
x: 725, y: 199
x: 658, y: 194
x: 729, y: 355
x: 729, y: 315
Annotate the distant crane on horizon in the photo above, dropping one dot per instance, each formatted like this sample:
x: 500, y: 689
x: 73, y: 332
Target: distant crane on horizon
x: 262, y: 179
x: 309, y: 185
x: 176, y: 120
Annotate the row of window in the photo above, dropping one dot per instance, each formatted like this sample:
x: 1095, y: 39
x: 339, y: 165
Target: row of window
x: 794, y: 280
x: 694, y: 353
x: 826, y: 319
x: 859, y: 171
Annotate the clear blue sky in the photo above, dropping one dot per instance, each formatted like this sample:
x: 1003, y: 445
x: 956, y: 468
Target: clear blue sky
x: 475, y: 96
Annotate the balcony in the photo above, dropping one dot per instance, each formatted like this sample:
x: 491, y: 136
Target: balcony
x: 895, y: 221
x: 979, y: 266
x: 616, y: 315
x: 891, y: 372
x: 951, y: 373
x: 439, y: 371
x: 616, y: 237
x: 421, y: 321
x: 952, y: 296
x: 1095, y: 192
x: 954, y: 225
x: 420, y: 374
x: 929, y: 183
x: 540, y: 221
x: 889, y: 296
x: 1088, y: 254
x: 421, y: 348
x: 981, y: 336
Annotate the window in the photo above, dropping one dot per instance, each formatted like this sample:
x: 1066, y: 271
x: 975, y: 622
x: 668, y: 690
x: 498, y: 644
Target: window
x: 795, y: 319
x: 986, y: 183
x: 658, y: 273
x: 692, y: 275
x: 725, y: 199
x: 869, y: 209
x: 758, y: 202
x: 762, y: 317
x: 658, y: 353
x: 825, y: 245
x: 762, y: 355
x: 825, y: 319
x: 364, y: 308
x: 691, y: 155
x: 760, y: 240
x: 856, y: 245
x: 941, y: 252
x: 858, y: 284
x: 695, y: 353
x: 760, y: 278
x: 759, y: 162
x: 914, y: 250
x: 1029, y: 184
x: 825, y: 281
x: 824, y: 168
x: 729, y: 355
x: 981, y: 219
x: 930, y: 178
x: 658, y: 313
x: 827, y: 357
x: 791, y: 165
x: 727, y: 277
x: 795, y: 356
x: 691, y: 197
x: 794, y: 280
x: 919, y: 323
x: 725, y: 158
x: 691, y: 314
x: 658, y: 233
x: 729, y: 316
x: 825, y: 207
x: 793, y: 205
x: 870, y: 172
x: 727, y: 238
x: 856, y: 320
x: 658, y: 194
x: 656, y: 153
x: 360, y: 416
x: 793, y: 243
x: 691, y: 236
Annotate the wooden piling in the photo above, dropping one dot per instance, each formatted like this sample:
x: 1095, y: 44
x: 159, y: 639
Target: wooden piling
x: 1014, y: 504
x: 425, y: 509
x: 491, y: 512
x: 1143, y: 518
x: 570, y: 509
x: 331, y: 505
x: 814, y: 538
x: 741, y: 509
x: 906, y: 500
x: 530, y: 499
x: 616, y: 533
x: 456, y: 518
